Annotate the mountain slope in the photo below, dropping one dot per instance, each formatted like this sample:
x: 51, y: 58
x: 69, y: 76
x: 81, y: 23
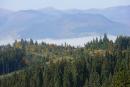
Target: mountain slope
x: 119, y: 14
x: 52, y: 23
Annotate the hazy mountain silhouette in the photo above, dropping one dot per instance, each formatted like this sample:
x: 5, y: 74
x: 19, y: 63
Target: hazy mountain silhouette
x: 53, y: 23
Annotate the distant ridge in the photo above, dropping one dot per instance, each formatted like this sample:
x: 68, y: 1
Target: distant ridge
x: 53, y: 23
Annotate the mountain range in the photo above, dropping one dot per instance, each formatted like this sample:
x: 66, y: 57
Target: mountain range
x: 57, y: 24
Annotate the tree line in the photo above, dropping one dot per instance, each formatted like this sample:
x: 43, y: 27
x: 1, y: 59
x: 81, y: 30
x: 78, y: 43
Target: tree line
x: 100, y: 63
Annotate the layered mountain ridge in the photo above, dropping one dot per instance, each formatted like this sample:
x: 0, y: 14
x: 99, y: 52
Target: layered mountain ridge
x: 53, y: 23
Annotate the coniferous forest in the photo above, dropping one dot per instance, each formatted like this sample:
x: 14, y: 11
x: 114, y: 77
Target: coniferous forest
x: 100, y: 63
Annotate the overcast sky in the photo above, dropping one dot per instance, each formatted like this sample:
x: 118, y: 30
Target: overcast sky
x: 60, y: 4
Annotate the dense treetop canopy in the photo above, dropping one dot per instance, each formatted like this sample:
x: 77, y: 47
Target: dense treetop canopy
x: 100, y: 63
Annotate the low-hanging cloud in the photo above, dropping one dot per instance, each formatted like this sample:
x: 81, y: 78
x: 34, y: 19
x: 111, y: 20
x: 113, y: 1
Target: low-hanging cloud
x: 8, y: 37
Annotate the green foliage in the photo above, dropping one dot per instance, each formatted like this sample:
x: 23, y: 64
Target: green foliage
x: 101, y: 63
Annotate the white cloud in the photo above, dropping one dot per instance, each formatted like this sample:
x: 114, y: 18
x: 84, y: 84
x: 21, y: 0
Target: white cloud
x: 8, y: 37
x: 75, y: 41
x: 80, y: 41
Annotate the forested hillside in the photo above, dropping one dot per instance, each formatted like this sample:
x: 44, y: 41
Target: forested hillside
x: 100, y: 63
